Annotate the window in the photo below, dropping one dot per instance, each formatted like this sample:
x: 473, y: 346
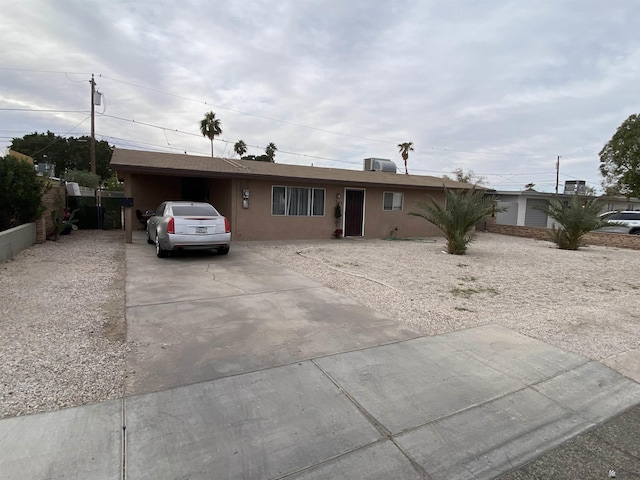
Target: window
x: 297, y: 201
x: 392, y: 201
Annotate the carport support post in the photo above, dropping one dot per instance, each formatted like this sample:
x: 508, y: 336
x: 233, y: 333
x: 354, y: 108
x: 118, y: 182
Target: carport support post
x: 128, y: 211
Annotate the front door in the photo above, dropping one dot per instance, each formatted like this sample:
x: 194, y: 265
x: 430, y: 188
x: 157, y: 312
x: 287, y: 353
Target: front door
x: 354, y: 213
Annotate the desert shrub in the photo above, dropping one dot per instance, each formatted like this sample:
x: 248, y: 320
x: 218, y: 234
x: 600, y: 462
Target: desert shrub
x: 20, y: 193
x: 462, y: 211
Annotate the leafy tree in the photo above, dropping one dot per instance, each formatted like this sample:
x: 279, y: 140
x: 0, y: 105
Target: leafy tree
x: 469, y: 177
x: 210, y: 127
x: 257, y: 158
x: 462, y: 211
x: 576, y: 217
x: 113, y: 184
x: 405, y: 148
x: 65, y: 153
x: 270, y: 152
x: 620, y: 158
x: 83, y: 178
x: 20, y: 193
x: 240, y: 148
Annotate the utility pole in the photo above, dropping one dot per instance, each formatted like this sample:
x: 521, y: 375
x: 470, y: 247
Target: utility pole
x: 92, y: 144
x: 557, y: 172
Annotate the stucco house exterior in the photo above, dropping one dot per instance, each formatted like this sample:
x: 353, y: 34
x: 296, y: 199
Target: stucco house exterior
x: 273, y: 201
x: 522, y: 207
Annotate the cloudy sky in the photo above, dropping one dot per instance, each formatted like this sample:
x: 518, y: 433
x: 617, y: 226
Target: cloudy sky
x: 495, y: 86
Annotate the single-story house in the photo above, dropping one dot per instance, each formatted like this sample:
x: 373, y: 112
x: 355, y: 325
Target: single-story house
x: 522, y: 207
x: 275, y: 201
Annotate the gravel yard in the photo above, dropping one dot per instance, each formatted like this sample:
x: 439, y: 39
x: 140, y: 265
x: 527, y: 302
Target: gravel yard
x: 63, y: 331
x: 585, y: 301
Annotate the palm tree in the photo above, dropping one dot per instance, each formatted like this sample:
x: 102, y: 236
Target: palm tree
x: 405, y: 148
x: 576, y: 218
x: 462, y: 211
x: 210, y: 126
x: 270, y: 151
x: 240, y: 148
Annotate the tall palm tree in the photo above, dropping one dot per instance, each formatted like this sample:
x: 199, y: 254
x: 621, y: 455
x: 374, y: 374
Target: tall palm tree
x: 210, y: 126
x: 240, y: 148
x: 405, y: 148
x: 270, y: 151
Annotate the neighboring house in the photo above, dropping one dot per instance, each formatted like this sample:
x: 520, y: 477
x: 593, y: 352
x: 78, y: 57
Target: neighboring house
x: 610, y: 203
x: 273, y: 201
x: 522, y: 208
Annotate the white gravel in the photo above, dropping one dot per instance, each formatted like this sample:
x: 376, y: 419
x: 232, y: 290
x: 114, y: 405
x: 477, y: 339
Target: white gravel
x: 585, y: 301
x: 62, y: 324
x: 63, y: 328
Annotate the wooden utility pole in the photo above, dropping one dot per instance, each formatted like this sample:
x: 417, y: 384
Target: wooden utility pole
x: 557, y: 173
x: 92, y: 144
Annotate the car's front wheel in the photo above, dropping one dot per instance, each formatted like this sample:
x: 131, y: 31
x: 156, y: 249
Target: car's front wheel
x: 635, y: 232
x: 160, y: 252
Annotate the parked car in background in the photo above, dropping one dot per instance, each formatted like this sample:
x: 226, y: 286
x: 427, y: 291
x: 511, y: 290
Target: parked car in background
x: 622, y: 221
x: 188, y: 226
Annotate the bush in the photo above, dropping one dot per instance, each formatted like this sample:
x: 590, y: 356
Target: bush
x: 20, y: 193
x: 576, y: 218
x: 462, y: 211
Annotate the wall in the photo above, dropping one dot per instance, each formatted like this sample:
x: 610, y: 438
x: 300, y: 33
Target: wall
x: 15, y: 239
x: 54, y: 197
x: 619, y: 240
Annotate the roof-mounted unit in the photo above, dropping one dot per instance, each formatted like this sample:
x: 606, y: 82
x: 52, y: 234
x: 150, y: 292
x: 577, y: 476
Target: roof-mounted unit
x: 379, y: 165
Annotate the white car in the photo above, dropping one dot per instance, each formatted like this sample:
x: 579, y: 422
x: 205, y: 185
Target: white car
x: 188, y: 226
x: 623, y: 221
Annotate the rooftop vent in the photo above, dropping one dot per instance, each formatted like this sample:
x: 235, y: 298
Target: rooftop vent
x: 379, y: 165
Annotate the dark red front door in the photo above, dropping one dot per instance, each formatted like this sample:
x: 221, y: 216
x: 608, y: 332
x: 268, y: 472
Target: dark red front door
x: 353, y: 213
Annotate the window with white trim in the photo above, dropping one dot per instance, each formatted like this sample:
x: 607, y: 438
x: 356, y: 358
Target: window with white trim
x: 297, y: 201
x: 392, y: 201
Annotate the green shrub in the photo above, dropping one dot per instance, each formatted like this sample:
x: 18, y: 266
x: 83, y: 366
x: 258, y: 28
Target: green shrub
x: 578, y: 216
x: 462, y: 211
x: 20, y: 193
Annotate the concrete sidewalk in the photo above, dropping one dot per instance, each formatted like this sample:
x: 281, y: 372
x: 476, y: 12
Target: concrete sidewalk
x: 246, y: 370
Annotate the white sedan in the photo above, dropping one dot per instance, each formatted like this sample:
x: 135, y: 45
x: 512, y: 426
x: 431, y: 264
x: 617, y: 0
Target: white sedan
x: 188, y: 226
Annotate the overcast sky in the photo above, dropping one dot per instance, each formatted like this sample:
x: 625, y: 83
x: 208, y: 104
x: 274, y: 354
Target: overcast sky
x: 496, y: 86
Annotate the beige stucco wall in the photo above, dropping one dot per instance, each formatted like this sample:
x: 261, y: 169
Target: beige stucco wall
x: 256, y: 221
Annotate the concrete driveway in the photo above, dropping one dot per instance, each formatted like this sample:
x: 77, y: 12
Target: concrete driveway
x: 245, y: 370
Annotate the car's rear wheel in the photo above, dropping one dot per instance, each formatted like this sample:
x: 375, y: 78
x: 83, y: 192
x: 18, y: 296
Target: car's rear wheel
x: 160, y: 252
x: 223, y: 250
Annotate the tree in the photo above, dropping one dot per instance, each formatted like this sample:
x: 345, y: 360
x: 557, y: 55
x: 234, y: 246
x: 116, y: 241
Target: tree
x: 65, y: 153
x: 576, y: 218
x: 240, y: 148
x: 270, y: 152
x: 210, y: 127
x: 83, y: 178
x: 620, y: 158
x: 405, y: 148
x: 258, y: 158
x: 20, y: 193
x: 462, y: 211
x: 469, y: 177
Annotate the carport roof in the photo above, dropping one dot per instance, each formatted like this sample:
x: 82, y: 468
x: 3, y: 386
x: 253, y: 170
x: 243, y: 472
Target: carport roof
x: 138, y: 161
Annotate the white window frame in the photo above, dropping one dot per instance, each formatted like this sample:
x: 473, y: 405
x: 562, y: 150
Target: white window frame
x: 394, y: 204
x: 311, y: 195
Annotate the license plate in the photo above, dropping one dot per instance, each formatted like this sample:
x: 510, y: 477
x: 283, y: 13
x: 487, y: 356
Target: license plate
x: 201, y: 229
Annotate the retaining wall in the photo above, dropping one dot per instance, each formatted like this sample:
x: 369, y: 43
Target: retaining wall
x: 15, y: 239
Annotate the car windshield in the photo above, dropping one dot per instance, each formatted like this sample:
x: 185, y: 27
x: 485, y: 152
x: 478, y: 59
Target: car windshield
x: 194, y: 210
